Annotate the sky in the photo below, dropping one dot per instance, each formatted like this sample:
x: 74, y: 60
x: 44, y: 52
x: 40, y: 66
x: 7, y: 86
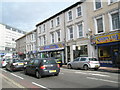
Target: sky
x: 25, y: 14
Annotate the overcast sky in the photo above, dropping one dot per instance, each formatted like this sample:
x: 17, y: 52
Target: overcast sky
x: 25, y: 15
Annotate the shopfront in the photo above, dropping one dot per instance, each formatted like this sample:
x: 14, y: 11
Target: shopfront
x: 109, y: 49
x: 54, y: 50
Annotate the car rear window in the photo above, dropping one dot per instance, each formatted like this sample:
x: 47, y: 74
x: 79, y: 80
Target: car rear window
x: 17, y: 60
x: 93, y: 59
x: 49, y: 61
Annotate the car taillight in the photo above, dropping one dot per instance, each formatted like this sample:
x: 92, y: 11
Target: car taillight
x: 2, y: 62
x: 58, y: 65
x: 42, y: 67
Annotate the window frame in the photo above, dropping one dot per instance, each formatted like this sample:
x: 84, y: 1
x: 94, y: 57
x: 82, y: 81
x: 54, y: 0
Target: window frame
x: 78, y: 35
x: 69, y: 19
x: 70, y: 33
x: 57, y: 21
x: 109, y: 2
x: 94, y: 4
x: 77, y: 11
x: 52, y: 37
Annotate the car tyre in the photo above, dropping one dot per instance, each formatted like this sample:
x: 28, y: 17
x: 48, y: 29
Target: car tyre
x: 56, y: 74
x: 69, y: 66
x: 85, y: 67
x: 25, y: 71
x: 96, y: 69
x: 37, y: 74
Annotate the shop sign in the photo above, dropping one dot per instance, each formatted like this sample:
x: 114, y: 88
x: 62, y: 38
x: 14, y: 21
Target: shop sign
x: 108, y: 38
x: 54, y: 46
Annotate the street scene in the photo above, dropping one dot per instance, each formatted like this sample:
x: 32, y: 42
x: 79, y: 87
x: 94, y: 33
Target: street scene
x: 60, y: 45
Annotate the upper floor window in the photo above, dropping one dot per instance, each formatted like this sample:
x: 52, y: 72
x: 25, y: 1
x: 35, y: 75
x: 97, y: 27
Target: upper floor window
x: 39, y: 29
x: 58, y: 36
x: 98, y: 4
x: 70, y: 32
x: 79, y: 13
x: 80, y: 30
x: 70, y: 15
x: 52, y: 38
x: 58, y: 21
x: 44, y: 40
x: 114, y: 20
x: 51, y: 23
x: 99, y: 25
x: 44, y: 28
x: 40, y: 41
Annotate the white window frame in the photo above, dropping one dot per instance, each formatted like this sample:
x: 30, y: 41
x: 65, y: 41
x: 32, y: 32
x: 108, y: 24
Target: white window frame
x: 81, y: 23
x: 57, y: 35
x: 52, y: 38
x: 69, y: 32
x: 112, y: 2
x: 110, y: 19
x: 39, y: 29
x: 96, y: 27
x: 57, y: 21
x: 68, y: 15
x: 94, y: 4
x: 77, y: 10
x: 51, y: 24
x: 44, y: 27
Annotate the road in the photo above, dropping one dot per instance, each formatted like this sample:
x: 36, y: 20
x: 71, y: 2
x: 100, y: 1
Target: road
x: 68, y: 78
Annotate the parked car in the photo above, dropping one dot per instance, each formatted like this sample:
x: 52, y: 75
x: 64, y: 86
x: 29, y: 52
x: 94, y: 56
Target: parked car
x: 42, y: 67
x: 84, y: 63
x: 4, y: 62
x: 15, y: 64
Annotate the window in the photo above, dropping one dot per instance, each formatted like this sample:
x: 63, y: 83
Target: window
x: 44, y: 28
x: 70, y: 15
x: 115, y: 21
x: 83, y: 59
x: 39, y: 29
x: 71, y: 32
x: 52, y: 37
x: 36, y: 62
x: 58, y: 36
x: 51, y: 23
x: 99, y: 25
x: 79, y: 13
x: 44, y: 40
x: 58, y: 21
x: 80, y: 31
x: 40, y: 41
x: 98, y: 4
x: 83, y: 51
x: 7, y: 27
x: 77, y: 59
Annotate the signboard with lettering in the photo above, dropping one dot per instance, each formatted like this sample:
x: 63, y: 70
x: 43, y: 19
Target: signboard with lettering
x: 54, y: 46
x: 108, y: 38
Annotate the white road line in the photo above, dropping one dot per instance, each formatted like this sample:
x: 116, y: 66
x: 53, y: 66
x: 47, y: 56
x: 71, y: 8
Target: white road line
x: 81, y: 72
x: 3, y: 70
x: 101, y: 75
x: 102, y: 80
x: 40, y: 85
x: 17, y: 76
x: 61, y: 73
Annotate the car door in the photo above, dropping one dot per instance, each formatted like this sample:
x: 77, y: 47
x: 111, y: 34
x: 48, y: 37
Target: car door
x: 28, y: 67
x: 75, y: 62
x: 34, y: 66
x: 82, y: 62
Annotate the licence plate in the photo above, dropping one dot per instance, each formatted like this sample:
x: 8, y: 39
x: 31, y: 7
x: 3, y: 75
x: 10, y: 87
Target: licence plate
x: 20, y: 64
x: 96, y: 65
x: 52, y: 71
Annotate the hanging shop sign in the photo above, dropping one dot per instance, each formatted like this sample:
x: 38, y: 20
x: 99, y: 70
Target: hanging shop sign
x: 54, y: 46
x: 108, y: 38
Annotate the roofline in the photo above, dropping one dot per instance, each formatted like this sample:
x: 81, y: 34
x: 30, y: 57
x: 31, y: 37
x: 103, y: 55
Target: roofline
x: 81, y: 1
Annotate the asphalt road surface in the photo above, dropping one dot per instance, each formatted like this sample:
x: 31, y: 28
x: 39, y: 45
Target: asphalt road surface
x: 68, y: 78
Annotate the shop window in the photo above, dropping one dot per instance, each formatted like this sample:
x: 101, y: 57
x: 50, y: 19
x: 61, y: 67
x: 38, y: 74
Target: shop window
x: 83, y: 50
x: 101, y: 52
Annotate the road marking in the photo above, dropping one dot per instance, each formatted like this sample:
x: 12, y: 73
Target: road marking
x: 10, y: 80
x: 81, y: 72
x: 17, y: 76
x: 102, y: 80
x: 61, y: 73
x: 3, y: 70
x: 101, y: 75
x: 40, y: 85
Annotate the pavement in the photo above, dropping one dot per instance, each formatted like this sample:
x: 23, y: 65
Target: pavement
x: 104, y: 69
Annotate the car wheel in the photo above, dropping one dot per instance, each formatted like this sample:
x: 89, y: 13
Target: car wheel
x: 69, y: 66
x: 96, y: 69
x: 56, y: 74
x: 25, y: 71
x: 85, y: 67
x: 37, y: 75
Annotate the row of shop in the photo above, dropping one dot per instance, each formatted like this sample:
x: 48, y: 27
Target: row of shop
x: 105, y: 47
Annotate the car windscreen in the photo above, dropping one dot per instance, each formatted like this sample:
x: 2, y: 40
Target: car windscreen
x: 93, y: 59
x: 17, y: 60
x: 51, y: 61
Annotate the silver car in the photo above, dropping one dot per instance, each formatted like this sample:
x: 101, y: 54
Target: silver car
x: 84, y: 63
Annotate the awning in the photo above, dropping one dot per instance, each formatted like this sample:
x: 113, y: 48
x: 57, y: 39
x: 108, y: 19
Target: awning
x: 48, y: 50
x: 108, y: 44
